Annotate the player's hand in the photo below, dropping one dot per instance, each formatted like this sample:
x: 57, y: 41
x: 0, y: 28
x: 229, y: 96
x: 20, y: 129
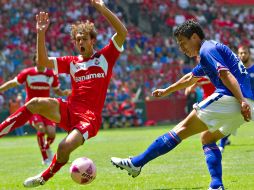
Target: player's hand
x: 246, y: 111
x: 67, y: 92
x: 42, y: 23
x: 97, y: 3
x: 159, y: 93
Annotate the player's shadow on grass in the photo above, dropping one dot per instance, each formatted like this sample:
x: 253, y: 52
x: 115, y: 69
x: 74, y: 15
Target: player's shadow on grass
x: 192, y: 188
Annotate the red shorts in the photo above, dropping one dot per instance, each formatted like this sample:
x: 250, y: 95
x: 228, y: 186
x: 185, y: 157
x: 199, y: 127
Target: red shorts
x: 38, y: 119
x: 86, y: 121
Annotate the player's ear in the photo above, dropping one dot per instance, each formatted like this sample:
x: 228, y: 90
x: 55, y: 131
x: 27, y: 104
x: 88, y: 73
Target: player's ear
x: 194, y: 36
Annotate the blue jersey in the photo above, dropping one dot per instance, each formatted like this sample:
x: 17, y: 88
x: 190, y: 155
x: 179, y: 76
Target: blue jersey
x: 251, y: 73
x: 215, y: 57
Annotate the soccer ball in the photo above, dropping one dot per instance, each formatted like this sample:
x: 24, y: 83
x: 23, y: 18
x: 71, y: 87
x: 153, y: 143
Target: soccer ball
x: 83, y: 171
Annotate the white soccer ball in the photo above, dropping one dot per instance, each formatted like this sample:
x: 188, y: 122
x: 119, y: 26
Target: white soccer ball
x: 83, y: 171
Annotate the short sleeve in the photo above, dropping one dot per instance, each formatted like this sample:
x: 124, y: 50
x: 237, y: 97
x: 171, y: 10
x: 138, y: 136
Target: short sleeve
x: 214, y: 56
x: 198, y: 71
x: 21, y: 77
x: 62, y: 64
x: 111, y: 51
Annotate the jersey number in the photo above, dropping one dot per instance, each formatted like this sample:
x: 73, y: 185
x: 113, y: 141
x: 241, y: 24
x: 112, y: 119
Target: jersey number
x: 242, y: 68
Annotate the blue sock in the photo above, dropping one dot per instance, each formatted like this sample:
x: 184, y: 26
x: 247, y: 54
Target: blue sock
x: 223, y: 141
x: 213, y: 161
x: 160, y: 146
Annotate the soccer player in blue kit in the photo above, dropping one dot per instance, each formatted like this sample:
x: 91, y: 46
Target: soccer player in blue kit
x: 215, y: 117
x: 244, y: 54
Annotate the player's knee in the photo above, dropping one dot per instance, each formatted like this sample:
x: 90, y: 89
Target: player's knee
x: 206, y: 138
x: 51, y: 133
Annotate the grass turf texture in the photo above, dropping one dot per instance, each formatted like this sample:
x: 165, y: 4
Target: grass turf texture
x: 182, y: 169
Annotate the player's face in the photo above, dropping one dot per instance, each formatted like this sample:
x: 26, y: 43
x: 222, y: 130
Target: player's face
x: 189, y: 47
x: 84, y: 44
x: 244, y: 54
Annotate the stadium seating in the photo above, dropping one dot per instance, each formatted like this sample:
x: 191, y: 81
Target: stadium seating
x: 151, y: 58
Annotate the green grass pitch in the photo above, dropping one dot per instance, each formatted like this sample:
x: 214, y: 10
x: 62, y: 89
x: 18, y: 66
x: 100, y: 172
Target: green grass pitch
x: 182, y: 169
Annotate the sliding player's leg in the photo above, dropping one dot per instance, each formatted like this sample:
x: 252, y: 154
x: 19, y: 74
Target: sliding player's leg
x: 35, y: 106
x: 80, y: 130
x: 68, y: 144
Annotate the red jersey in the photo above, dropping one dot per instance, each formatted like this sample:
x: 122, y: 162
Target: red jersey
x: 90, y: 77
x: 207, y: 86
x: 37, y: 83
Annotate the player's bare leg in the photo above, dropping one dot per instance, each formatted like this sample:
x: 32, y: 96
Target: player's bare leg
x: 68, y: 144
x: 207, y: 137
x: 191, y: 125
x: 23, y: 114
x: 42, y: 106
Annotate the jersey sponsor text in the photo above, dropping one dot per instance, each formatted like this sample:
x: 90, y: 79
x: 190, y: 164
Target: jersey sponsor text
x: 90, y: 76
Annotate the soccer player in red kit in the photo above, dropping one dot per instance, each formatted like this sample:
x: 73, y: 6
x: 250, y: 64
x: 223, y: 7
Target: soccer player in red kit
x: 207, y: 86
x: 38, y: 81
x: 204, y: 83
x: 90, y: 74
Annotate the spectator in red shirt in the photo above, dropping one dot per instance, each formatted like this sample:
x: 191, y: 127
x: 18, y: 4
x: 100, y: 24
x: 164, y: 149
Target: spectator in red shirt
x: 127, y: 109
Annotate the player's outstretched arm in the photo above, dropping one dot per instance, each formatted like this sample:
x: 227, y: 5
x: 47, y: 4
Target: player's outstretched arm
x: 9, y: 84
x: 231, y: 83
x: 42, y: 24
x: 186, y: 81
x: 121, y: 31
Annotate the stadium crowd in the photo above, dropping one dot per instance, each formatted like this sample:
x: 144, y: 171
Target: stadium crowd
x: 151, y: 57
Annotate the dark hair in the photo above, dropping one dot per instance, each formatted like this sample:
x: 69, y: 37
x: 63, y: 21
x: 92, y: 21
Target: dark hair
x: 188, y: 28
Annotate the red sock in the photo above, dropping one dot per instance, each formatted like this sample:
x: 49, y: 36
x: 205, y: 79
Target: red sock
x: 49, y: 142
x: 17, y: 119
x: 52, y: 169
x: 41, y: 143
